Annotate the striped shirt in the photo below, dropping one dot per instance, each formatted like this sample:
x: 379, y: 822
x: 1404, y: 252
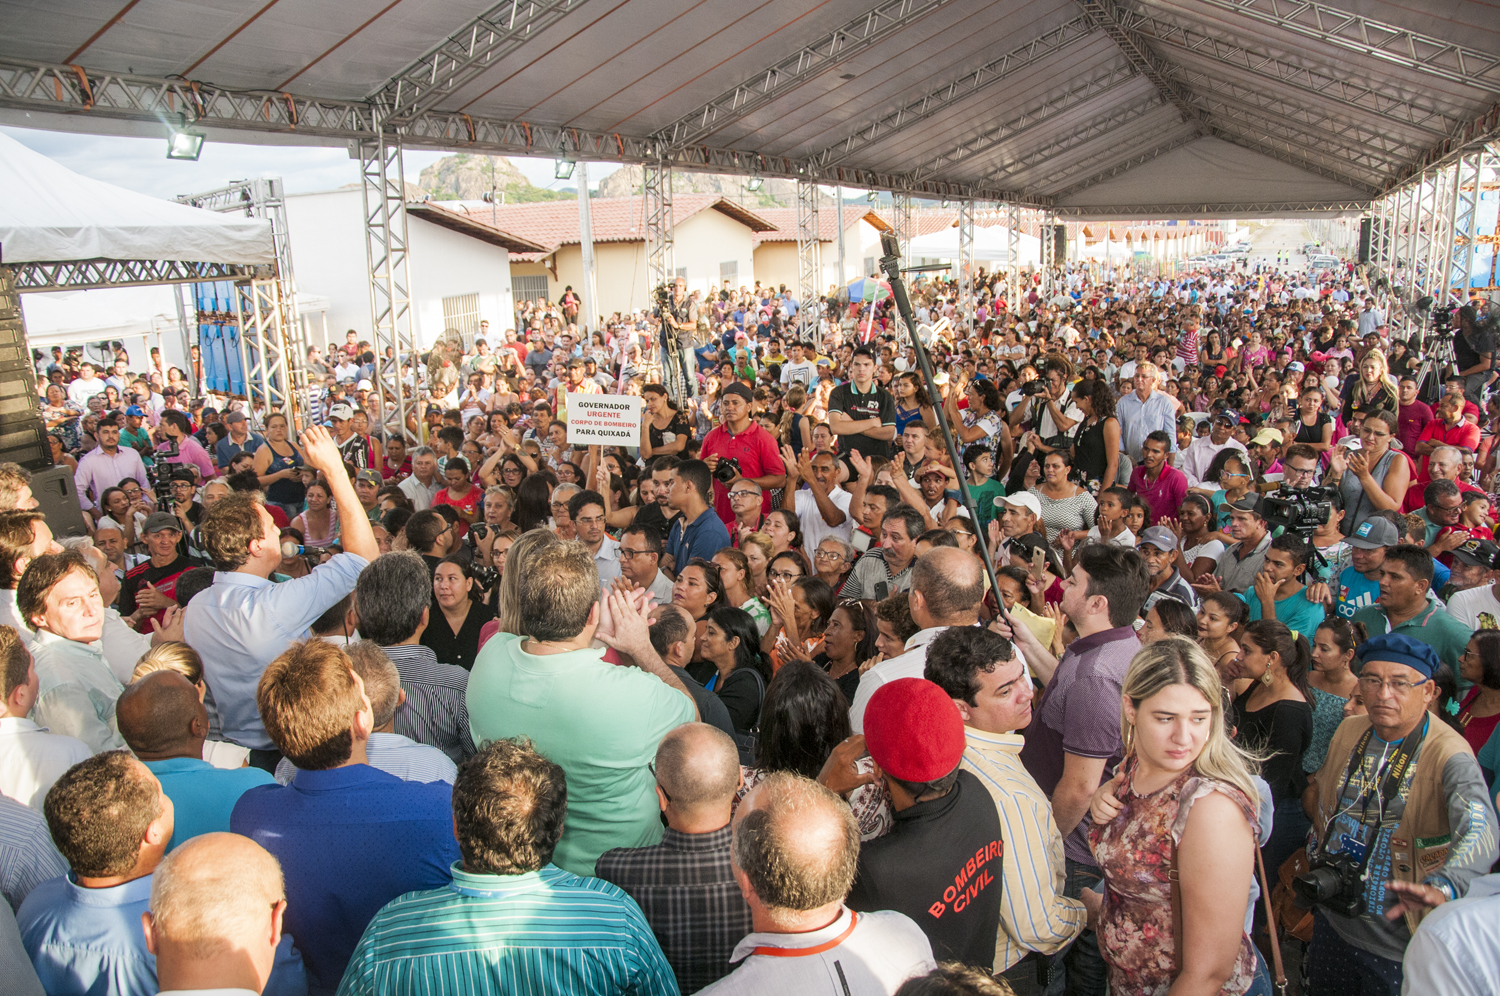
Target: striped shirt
x: 435, y: 711
x: 27, y: 856
x: 1034, y: 915
x: 546, y: 931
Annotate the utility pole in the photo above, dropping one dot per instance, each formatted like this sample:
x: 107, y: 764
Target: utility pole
x: 586, y: 237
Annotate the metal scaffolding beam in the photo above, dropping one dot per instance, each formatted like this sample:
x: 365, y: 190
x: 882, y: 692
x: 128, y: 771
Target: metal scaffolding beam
x: 1109, y: 17
x: 903, y: 220
x: 1048, y: 253
x: 1013, y: 260
x: 1117, y: 164
x: 925, y: 105
x: 809, y: 259
x: 1114, y: 121
x: 383, y: 186
x: 1326, y: 83
x: 89, y: 274
x: 1476, y: 170
x: 832, y: 49
x: 1374, y: 40
x: 1077, y: 92
x: 656, y: 207
x: 966, y: 265
x: 276, y: 344
x: 465, y: 55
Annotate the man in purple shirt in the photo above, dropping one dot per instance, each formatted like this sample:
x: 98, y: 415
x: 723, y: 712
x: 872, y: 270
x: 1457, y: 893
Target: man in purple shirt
x: 1160, y: 486
x: 1412, y: 416
x: 107, y: 465
x: 1073, y: 743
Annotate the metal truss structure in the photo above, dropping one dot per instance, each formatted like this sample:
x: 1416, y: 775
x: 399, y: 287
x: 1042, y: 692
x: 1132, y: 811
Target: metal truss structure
x: 903, y: 219
x: 1427, y: 236
x: 90, y: 274
x: 966, y: 263
x: 809, y: 258
x: 383, y: 185
x: 656, y: 202
x: 273, y: 351
x: 1013, y: 257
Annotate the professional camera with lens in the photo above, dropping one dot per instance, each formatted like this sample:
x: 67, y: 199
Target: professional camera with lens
x: 1442, y: 320
x: 1032, y: 388
x: 1335, y: 882
x: 1298, y: 511
x: 663, y: 296
x: 161, y: 479
x: 727, y: 470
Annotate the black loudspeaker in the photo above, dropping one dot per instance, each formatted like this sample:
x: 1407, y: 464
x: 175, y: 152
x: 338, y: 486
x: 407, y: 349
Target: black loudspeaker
x: 23, y: 438
x: 1060, y: 242
x: 1366, y: 233
x: 57, y: 499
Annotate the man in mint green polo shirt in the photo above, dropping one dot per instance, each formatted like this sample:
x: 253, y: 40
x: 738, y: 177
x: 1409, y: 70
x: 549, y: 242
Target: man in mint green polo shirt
x: 600, y: 722
x: 1406, y: 606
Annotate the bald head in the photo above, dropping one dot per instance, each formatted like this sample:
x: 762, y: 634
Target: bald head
x: 160, y: 716
x: 215, y: 914
x: 950, y: 582
x: 698, y: 766
x: 796, y: 843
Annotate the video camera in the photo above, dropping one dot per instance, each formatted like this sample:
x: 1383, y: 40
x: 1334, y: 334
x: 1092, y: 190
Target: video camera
x: 1299, y: 511
x: 161, y: 479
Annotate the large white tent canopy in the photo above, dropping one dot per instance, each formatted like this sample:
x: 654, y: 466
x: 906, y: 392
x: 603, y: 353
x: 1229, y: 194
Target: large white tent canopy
x: 50, y: 214
x: 1092, y: 108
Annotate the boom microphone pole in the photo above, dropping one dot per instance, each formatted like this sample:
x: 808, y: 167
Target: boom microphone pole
x: 890, y: 264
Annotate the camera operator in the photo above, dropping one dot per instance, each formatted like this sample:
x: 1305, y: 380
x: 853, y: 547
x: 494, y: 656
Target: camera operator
x: 1401, y: 797
x: 1047, y: 415
x: 679, y: 315
x: 1474, y: 348
x: 738, y: 437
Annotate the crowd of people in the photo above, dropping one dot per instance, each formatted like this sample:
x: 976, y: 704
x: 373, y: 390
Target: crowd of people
x: 337, y: 704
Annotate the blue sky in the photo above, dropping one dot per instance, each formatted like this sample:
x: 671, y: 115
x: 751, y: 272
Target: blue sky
x: 140, y: 164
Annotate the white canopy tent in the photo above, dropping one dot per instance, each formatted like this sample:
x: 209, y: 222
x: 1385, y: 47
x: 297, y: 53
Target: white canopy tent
x: 991, y: 245
x: 50, y: 214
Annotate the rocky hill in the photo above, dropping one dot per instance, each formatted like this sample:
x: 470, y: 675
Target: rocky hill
x: 468, y: 177
x: 626, y: 182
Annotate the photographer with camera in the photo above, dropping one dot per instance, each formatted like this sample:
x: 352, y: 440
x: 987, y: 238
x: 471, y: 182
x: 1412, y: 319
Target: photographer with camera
x: 679, y: 318
x: 1474, y: 347
x: 1401, y: 797
x: 739, y: 448
x: 1048, y: 416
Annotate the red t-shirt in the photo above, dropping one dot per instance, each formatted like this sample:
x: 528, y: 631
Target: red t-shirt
x: 1462, y: 434
x: 758, y: 454
x: 468, y: 503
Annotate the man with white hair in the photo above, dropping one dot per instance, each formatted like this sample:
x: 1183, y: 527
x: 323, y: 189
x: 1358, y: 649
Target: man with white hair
x: 424, y: 482
x: 1144, y: 411
x: 214, y: 920
x: 1444, y: 463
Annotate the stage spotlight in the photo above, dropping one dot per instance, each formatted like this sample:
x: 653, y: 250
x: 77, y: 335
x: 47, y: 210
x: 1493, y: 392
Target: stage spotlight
x: 184, y: 144
x: 754, y: 183
x: 562, y: 169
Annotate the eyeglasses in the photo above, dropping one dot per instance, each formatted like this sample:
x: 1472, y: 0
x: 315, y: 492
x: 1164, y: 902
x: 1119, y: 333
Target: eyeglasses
x: 559, y: 505
x: 592, y: 520
x: 828, y: 555
x: 784, y: 575
x: 743, y: 493
x: 627, y: 554
x: 651, y: 767
x: 1398, y: 686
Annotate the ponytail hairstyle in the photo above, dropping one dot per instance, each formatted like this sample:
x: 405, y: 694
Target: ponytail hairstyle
x: 1346, y: 634
x: 1237, y: 611
x: 796, y: 396
x: 1176, y: 660
x: 1273, y: 636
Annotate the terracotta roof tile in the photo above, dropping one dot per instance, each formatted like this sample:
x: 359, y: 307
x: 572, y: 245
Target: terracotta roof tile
x: 785, y: 220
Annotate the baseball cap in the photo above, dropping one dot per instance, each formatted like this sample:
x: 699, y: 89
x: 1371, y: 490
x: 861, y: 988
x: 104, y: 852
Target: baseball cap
x: 1267, y: 435
x: 234, y: 418
x: 913, y: 730
x: 1398, y: 649
x: 576, y: 361
x: 1229, y: 415
x: 136, y: 410
x: 434, y: 410
x: 1478, y: 552
x: 738, y: 390
x: 1296, y: 365
x: 364, y: 385
x: 1160, y: 537
x: 341, y: 412
x: 1249, y: 503
x: 1374, y: 533
x: 157, y: 521
x: 371, y: 476
x: 1025, y: 500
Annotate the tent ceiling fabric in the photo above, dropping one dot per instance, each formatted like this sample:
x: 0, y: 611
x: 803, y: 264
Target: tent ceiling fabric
x: 50, y: 214
x: 1134, y: 104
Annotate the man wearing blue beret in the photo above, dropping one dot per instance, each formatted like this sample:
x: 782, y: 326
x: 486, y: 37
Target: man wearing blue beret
x: 1402, y: 809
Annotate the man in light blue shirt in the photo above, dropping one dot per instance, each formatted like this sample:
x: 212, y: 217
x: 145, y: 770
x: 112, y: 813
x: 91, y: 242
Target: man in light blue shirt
x: 1457, y: 947
x: 243, y: 621
x: 163, y: 721
x: 1144, y: 411
x: 27, y: 857
x: 112, y: 821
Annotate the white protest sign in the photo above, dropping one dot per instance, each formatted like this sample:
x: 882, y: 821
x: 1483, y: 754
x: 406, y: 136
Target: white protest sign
x: 606, y: 419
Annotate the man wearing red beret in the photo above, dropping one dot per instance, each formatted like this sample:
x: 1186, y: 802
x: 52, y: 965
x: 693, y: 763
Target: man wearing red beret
x: 940, y: 864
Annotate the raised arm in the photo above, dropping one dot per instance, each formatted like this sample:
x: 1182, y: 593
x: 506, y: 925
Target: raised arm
x: 323, y: 454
